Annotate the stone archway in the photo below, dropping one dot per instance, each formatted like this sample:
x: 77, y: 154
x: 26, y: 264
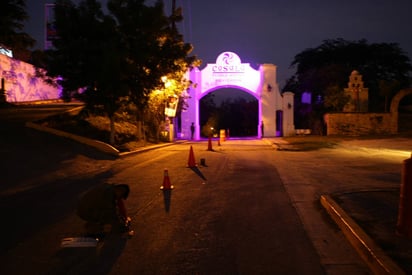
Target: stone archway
x: 397, y: 99
x: 394, y: 109
x: 230, y: 72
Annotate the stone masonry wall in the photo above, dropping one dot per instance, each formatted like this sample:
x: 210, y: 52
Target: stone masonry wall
x: 360, y: 124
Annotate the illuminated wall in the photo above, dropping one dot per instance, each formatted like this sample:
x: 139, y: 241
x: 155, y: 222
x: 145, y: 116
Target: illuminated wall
x: 230, y: 72
x: 21, y: 83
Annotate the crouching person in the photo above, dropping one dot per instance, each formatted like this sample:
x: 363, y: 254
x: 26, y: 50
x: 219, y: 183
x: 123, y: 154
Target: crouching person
x: 103, y: 209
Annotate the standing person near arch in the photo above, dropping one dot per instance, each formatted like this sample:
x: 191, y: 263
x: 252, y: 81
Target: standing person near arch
x: 192, y: 130
x: 262, y: 129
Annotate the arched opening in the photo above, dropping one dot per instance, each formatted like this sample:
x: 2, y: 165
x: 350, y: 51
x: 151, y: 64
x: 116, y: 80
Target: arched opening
x: 230, y: 73
x: 230, y: 109
x: 405, y: 115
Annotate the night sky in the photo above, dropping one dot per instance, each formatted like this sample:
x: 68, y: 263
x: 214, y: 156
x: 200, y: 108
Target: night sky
x: 274, y: 31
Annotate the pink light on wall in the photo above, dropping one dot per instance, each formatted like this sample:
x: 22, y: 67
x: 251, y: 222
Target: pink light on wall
x: 229, y: 71
x: 21, y: 83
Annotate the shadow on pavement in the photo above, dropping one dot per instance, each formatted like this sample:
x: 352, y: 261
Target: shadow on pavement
x: 49, y: 203
x: 167, y: 196
x: 198, y: 172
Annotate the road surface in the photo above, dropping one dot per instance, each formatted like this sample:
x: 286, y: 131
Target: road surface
x: 231, y: 216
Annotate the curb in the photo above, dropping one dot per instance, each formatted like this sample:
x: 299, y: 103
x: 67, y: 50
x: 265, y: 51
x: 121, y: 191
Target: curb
x: 148, y: 148
x: 104, y: 147
x: 97, y: 144
x: 377, y: 261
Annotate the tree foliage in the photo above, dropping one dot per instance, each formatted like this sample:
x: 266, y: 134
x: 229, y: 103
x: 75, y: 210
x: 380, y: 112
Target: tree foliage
x: 118, y: 57
x: 12, y: 17
x: 155, y: 48
x: 327, y: 67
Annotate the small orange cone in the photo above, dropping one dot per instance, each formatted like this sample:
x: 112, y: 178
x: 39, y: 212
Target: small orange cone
x: 191, y: 162
x: 209, y: 145
x: 166, y: 182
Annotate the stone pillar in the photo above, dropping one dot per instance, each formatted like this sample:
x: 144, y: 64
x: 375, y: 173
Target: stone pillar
x: 192, y: 113
x: 270, y: 96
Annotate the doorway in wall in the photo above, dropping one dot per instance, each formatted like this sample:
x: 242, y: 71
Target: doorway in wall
x: 279, y: 125
x: 229, y: 109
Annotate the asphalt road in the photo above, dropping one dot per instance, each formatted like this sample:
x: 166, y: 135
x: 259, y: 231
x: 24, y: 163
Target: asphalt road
x: 231, y: 216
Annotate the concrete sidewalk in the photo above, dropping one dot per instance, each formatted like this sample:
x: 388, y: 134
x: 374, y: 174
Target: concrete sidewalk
x: 366, y: 212
x: 368, y: 220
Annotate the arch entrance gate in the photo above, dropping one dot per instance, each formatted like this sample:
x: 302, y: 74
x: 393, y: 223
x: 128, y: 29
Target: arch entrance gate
x: 275, y: 109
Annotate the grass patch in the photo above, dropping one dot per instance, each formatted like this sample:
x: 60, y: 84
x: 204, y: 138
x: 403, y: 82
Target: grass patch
x: 309, y: 143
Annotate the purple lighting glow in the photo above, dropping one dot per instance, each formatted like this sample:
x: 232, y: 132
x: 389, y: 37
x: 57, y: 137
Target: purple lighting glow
x: 21, y: 83
x: 229, y: 72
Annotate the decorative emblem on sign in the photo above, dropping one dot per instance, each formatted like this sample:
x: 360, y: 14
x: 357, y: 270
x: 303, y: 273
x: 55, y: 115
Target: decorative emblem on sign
x: 228, y: 62
x: 228, y: 58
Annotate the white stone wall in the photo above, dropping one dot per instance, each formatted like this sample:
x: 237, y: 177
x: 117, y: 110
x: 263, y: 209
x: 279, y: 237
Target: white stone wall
x: 271, y: 100
x: 21, y: 83
x: 191, y: 114
x: 261, y: 83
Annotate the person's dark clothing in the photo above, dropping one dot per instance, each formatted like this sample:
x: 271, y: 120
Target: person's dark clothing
x: 192, y: 130
x: 98, y: 207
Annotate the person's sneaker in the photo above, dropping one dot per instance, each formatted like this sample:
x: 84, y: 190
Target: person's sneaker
x: 98, y: 235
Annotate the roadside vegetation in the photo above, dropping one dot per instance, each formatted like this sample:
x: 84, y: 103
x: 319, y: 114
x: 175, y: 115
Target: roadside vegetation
x: 97, y: 127
x: 127, y: 60
x: 322, y: 74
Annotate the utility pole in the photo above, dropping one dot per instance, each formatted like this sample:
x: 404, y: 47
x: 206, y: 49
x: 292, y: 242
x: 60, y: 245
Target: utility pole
x: 173, y: 14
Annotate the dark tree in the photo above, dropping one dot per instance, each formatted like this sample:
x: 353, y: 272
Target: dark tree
x: 384, y: 66
x: 116, y: 57
x: 12, y: 17
x: 154, y: 46
x: 324, y: 72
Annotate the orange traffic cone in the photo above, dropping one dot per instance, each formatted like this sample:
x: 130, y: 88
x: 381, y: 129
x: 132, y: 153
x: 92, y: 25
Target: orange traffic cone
x: 209, y: 145
x: 166, y: 182
x: 191, y: 162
